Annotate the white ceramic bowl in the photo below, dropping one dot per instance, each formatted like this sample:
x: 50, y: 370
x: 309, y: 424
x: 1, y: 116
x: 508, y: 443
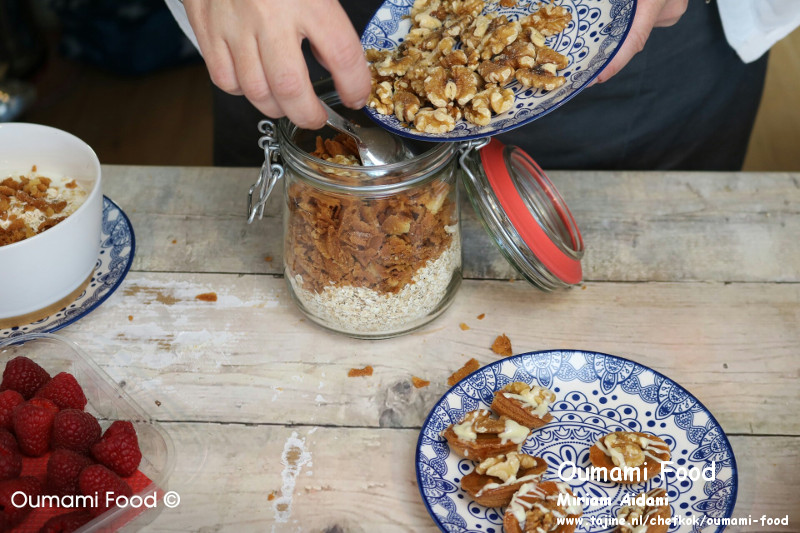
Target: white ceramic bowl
x: 44, y: 269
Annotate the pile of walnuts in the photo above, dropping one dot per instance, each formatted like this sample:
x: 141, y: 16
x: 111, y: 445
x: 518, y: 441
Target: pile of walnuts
x: 456, y: 61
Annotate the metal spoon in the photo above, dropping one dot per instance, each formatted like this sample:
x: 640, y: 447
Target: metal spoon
x: 375, y: 145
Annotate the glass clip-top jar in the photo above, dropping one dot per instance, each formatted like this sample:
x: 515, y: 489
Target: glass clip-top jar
x: 375, y: 251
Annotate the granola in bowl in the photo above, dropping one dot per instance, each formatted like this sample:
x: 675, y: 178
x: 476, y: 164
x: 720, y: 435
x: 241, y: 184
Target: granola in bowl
x: 31, y: 204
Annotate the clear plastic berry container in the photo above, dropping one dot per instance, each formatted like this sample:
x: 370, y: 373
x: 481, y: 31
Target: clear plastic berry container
x: 108, y: 403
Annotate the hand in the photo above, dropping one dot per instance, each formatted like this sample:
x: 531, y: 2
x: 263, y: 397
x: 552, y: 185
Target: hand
x: 252, y: 47
x: 649, y: 14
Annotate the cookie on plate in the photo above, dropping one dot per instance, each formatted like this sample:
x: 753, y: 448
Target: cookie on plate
x: 495, y: 480
x: 525, y: 404
x: 535, y: 507
x: 480, y: 436
x: 635, y: 456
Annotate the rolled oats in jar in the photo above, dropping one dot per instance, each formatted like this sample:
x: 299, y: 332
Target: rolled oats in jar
x: 371, y: 252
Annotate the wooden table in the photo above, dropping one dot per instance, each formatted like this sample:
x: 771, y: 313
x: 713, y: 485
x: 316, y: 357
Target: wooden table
x: 696, y: 275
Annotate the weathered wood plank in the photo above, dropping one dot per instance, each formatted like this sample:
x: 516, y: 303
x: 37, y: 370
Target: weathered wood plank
x: 252, y: 357
x: 226, y: 473
x: 638, y: 226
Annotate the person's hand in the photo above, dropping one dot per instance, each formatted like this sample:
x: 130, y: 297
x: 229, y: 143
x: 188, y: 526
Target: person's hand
x: 252, y: 47
x: 649, y: 14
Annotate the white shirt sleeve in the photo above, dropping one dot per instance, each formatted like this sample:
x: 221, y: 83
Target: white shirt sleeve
x: 176, y: 7
x: 753, y: 26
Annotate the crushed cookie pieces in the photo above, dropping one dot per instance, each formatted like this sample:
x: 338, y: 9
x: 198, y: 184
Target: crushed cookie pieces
x: 469, y: 367
x: 419, y: 382
x: 359, y: 372
x: 502, y: 345
x: 130, y: 318
x: 481, y: 316
x: 463, y: 326
x: 268, y: 259
x: 207, y: 297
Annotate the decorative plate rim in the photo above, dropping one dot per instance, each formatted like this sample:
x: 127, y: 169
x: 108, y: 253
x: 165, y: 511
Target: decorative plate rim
x: 734, y: 467
x: 111, y: 291
x: 430, y: 137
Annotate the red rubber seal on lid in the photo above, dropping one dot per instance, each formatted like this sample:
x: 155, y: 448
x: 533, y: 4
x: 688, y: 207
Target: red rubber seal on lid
x: 564, y: 267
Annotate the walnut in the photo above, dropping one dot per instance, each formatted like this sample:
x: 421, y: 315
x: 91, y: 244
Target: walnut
x: 506, y: 466
x: 384, y: 92
x: 499, y: 70
x: 447, y: 45
x: 420, y: 6
x: 537, y: 520
x: 628, y: 445
x: 549, y: 20
x: 456, y: 58
x: 406, y: 105
x: 500, y: 99
x: 376, y: 56
x: 534, y: 36
x: 522, y: 54
x: 375, y: 103
x: 431, y: 120
x: 479, y: 111
x: 393, y: 66
x: 466, y: 7
x: 467, y: 84
x: 455, y: 27
x: 439, y: 88
x: 426, y: 20
x: 547, y: 55
x: 416, y: 36
x: 502, y: 36
x: 539, y: 78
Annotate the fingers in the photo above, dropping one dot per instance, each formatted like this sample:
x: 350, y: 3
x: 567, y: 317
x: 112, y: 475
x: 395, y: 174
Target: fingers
x: 647, y: 13
x: 285, y: 68
x: 252, y: 81
x: 672, y: 12
x: 339, y: 50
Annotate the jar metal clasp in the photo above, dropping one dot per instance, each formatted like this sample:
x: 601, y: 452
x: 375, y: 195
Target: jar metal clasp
x: 271, y: 171
x: 468, y: 148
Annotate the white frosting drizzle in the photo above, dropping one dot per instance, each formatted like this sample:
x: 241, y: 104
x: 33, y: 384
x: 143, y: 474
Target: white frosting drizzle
x: 514, y: 432
x: 465, y: 431
x: 511, y: 481
x: 536, y: 399
x: 519, y: 507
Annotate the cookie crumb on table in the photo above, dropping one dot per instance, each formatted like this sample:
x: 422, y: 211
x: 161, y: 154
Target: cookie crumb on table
x: 130, y: 318
x: 359, y: 372
x: 481, y: 316
x: 268, y: 259
x: 469, y: 367
x: 502, y: 345
x: 463, y: 326
x: 207, y: 297
x: 419, y: 382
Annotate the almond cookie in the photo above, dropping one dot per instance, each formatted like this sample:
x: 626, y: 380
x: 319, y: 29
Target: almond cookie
x: 479, y: 436
x: 495, y: 480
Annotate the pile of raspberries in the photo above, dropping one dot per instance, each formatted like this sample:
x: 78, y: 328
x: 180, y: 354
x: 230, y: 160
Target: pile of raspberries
x: 40, y: 414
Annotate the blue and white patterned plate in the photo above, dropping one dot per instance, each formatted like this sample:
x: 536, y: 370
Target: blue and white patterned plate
x: 117, y: 246
x: 591, y: 40
x: 595, y: 395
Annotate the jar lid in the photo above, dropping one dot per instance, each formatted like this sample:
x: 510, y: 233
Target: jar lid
x: 525, y: 215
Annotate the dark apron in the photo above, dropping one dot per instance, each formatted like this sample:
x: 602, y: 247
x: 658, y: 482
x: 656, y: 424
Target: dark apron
x: 686, y: 102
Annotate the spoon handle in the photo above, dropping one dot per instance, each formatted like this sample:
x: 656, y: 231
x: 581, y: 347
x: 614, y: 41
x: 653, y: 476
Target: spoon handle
x: 338, y: 122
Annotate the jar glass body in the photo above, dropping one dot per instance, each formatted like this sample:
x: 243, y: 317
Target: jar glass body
x: 371, y: 252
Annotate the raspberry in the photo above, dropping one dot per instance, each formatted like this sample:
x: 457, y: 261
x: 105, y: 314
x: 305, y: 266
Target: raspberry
x: 32, y: 425
x: 24, y: 376
x: 119, y: 426
x: 63, y: 469
x: 44, y: 402
x: 98, y: 481
x: 9, y: 399
x: 64, y: 391
x: 75, y: 430
x: 8, y: 441
x: 10, y: 458
x: 67, y: 522
x: 13, y: 514
x: 119, y: 449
